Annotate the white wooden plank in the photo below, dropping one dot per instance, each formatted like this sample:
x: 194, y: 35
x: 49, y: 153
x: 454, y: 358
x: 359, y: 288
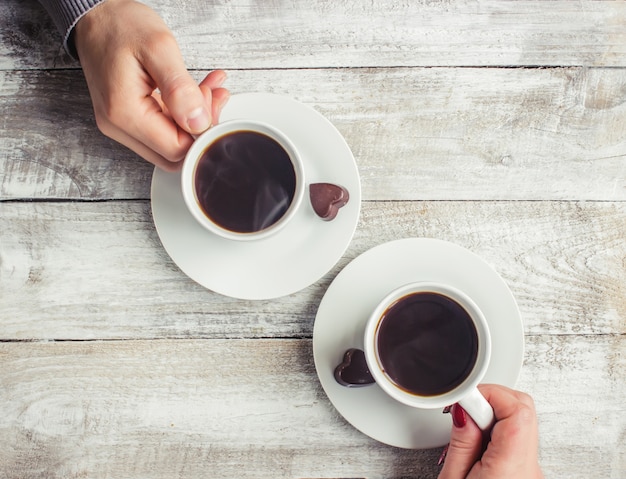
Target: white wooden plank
x: 97, y: 270
x: 28, y: 38
x: 578, y: 386
x: 303, y: 34
x: 254, y: 408
x: 417, y: 134
x: 391, y: 33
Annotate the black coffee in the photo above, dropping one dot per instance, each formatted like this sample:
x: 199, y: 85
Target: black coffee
x: 427, y: 343
x: 245, y: 181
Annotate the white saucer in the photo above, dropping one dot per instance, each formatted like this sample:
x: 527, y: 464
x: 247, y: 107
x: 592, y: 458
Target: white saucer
x: 298, y: 255
x: 340, y: 323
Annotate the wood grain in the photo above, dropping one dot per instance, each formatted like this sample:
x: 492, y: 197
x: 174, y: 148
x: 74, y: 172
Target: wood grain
x: 303, y: 34
x: 417, y: 134
x: 497, y: 125
x: 210, y: 408
x: 98, y: 271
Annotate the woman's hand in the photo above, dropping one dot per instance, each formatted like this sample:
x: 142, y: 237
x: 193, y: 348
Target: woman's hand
x: 510, y: 453
x: 142, y: 94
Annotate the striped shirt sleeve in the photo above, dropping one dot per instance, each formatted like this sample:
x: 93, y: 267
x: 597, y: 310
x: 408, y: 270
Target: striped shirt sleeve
x: 65, y: 15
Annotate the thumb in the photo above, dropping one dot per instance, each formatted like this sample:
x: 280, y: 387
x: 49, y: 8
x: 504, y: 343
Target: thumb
x: 180, y: 93
x: 465, y: 445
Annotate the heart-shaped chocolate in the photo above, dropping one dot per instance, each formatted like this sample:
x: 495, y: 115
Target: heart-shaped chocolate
x: 327, y: 198
x: 353, y: 371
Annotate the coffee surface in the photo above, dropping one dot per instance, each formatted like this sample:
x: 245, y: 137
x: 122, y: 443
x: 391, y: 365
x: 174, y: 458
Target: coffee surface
x: 427, y: 343
x: 245, y: 181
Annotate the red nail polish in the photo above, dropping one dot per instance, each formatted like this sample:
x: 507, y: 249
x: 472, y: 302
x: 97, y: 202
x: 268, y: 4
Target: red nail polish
x: 442, y: 458
x: 459, y: 416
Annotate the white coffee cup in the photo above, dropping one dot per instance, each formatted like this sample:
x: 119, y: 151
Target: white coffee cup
x: 465, y: 392
x: 209, y: 138
x: 249, y: 174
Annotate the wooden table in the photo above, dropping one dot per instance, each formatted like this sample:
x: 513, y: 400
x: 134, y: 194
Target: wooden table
x: 497, y: 125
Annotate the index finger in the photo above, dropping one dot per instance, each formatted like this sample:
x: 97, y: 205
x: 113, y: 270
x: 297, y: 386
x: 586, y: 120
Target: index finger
x: 157, y: 130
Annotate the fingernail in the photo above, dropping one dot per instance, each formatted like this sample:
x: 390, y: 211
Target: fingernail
x: 459, y: 416
x: 442, y: 458
x: 198, y: 120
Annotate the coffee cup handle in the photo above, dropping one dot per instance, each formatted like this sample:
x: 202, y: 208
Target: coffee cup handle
x: 479, y: 409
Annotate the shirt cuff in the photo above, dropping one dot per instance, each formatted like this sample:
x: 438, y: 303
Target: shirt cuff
x: 65, y: 15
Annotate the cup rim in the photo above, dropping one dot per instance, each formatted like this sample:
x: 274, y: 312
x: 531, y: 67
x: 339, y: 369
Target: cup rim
x: 455, y: 394
x: 203, y: 141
